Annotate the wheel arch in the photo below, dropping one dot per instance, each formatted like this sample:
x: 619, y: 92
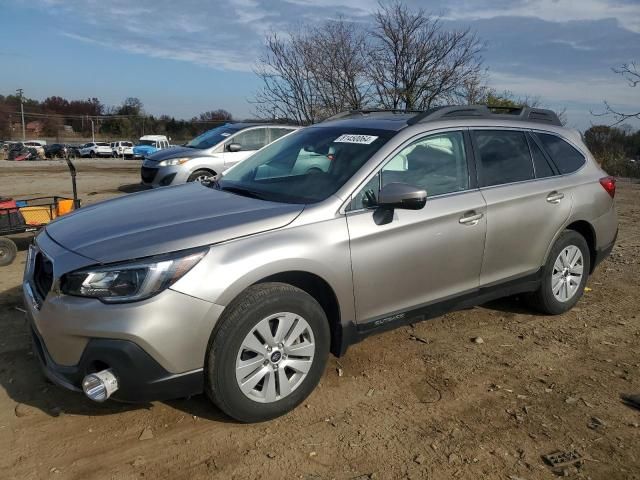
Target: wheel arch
x: 584, y: 228
x: 322, y: 292
x: 587, y: 231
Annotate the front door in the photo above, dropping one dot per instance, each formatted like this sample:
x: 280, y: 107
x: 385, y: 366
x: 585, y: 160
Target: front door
x: 250, y: 141
x: 421, y: 256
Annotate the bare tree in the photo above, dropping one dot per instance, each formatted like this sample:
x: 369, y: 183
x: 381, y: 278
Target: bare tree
x: 631, y: 74
x: 311, y: 74
x: 414, y: 63
x: 288, y: 87
x: 337, y: 53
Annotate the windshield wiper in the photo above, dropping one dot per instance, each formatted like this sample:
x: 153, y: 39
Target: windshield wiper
x: 241, y: 191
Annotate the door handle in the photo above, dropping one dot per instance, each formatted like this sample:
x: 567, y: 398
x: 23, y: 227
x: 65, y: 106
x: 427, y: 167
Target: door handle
x: 470, y: 218
x: 555, y: 197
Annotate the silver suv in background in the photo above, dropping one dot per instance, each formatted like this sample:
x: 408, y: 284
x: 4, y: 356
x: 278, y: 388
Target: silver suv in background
x: 240, y: 287
x: 209, y: 154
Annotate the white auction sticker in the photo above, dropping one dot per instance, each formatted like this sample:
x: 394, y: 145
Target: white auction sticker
x: 353, y: 138
x: 225, y: 134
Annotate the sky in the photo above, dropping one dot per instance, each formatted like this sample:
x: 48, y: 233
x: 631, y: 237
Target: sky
x: 185, y: 57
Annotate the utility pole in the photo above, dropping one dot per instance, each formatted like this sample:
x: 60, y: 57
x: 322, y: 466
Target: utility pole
x: 93, y: 134
x: 20, y: 95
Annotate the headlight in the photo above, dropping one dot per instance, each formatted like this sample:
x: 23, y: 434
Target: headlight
x: 173, y: 161
x: 132, y: 281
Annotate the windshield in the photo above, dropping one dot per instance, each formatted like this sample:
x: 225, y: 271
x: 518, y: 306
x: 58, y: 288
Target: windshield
x: 212, y: 137
x: 147, y: 142
x: 100, y: 144
x: 306, y: 166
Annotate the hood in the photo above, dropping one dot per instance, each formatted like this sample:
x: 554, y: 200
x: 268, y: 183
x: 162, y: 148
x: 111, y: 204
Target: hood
x: 144, y: 149
x: 165, y: 220
x: 175, y: 152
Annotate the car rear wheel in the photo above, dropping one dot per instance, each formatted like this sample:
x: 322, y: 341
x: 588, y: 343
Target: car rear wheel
x: 8, y: 252
x: 268, y: 354
x: 200, y: 176
x: 92, y: 154
x: 565, y: 274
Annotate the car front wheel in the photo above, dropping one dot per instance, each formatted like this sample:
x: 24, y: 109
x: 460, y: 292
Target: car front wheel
x: 268, y: 354
x: 565, y: 274
x: 200, y: 176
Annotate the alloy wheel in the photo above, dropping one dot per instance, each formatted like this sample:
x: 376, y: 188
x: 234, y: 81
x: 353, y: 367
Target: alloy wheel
x: 275, y: 357
x: 568, y: 270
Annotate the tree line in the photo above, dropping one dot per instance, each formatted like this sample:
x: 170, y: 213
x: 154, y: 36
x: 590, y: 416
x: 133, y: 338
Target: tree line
x: 127, y: 120
x: 616, y: 148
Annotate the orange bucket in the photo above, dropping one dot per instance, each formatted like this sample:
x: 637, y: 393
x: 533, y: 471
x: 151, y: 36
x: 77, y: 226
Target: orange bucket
x: 64, y: 206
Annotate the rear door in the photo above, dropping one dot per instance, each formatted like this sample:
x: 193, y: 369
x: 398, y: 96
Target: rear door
x: 250, y: 140
x: 526, y: 204
x: 421, y: 256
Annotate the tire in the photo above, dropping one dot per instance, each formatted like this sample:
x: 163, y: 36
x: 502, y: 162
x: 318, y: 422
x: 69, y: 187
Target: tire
x: 258, y: 305
x: 8, y: 252
x: 544, y: 299
x: 92, y: 154
x: 200, y: 175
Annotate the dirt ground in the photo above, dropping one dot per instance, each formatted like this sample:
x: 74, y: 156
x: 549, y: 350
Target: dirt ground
x: 421, y: 402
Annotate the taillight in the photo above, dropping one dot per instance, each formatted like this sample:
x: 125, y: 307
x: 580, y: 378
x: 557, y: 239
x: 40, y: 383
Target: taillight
x: 609, y: 184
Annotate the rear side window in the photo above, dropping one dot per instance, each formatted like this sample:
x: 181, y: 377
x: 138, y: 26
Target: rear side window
x: 276, y: 133
x: 542, y: 167
x: 566, y: 158
x: 504, y: 157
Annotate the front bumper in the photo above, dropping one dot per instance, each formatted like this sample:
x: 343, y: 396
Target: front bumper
x: 156, y: 347
x: 163, y: 176
x: 140, y: 377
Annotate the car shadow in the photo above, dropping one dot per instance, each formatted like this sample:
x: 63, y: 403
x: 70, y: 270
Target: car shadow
x: 133, y: 188
x: 513, y: 305
x: 22, y: 378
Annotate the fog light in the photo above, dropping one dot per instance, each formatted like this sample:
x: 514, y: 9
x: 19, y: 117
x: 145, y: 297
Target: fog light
x: 99, y: 386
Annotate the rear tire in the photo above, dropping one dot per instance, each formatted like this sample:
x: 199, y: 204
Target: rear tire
x: 8, y: 252
x: 92, y: 154
x: 290, y: 336
x: 200, y: 175
x: 564, y: 276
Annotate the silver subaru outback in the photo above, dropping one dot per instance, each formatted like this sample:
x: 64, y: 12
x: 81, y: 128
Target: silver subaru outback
x: 240, y: 287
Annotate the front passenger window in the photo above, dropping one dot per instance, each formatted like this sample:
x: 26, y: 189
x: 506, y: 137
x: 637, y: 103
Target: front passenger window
x: 437, y: 163
x: 253, y: 139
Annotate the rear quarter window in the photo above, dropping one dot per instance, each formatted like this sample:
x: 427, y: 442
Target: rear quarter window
x: 566, y: 158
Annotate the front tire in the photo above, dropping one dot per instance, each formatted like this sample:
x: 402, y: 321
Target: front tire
x: 268, y: 353
x: 564, y: 276
x: 200, y: 176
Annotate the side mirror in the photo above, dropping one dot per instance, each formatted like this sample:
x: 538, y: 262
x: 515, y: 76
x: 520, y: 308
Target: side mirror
x: 403, y: 196
x: 234, y: 147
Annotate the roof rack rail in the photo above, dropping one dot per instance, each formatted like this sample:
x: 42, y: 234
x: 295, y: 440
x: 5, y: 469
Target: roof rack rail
x: 525, y: 114
x: 360, y: 112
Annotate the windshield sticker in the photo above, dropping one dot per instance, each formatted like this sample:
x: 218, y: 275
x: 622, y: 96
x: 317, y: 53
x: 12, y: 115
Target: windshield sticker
x: 225, y: 134
x: 362, y: 139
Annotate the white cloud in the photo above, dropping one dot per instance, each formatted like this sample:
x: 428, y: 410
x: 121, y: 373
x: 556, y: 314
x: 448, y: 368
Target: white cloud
x: 627, y: 14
